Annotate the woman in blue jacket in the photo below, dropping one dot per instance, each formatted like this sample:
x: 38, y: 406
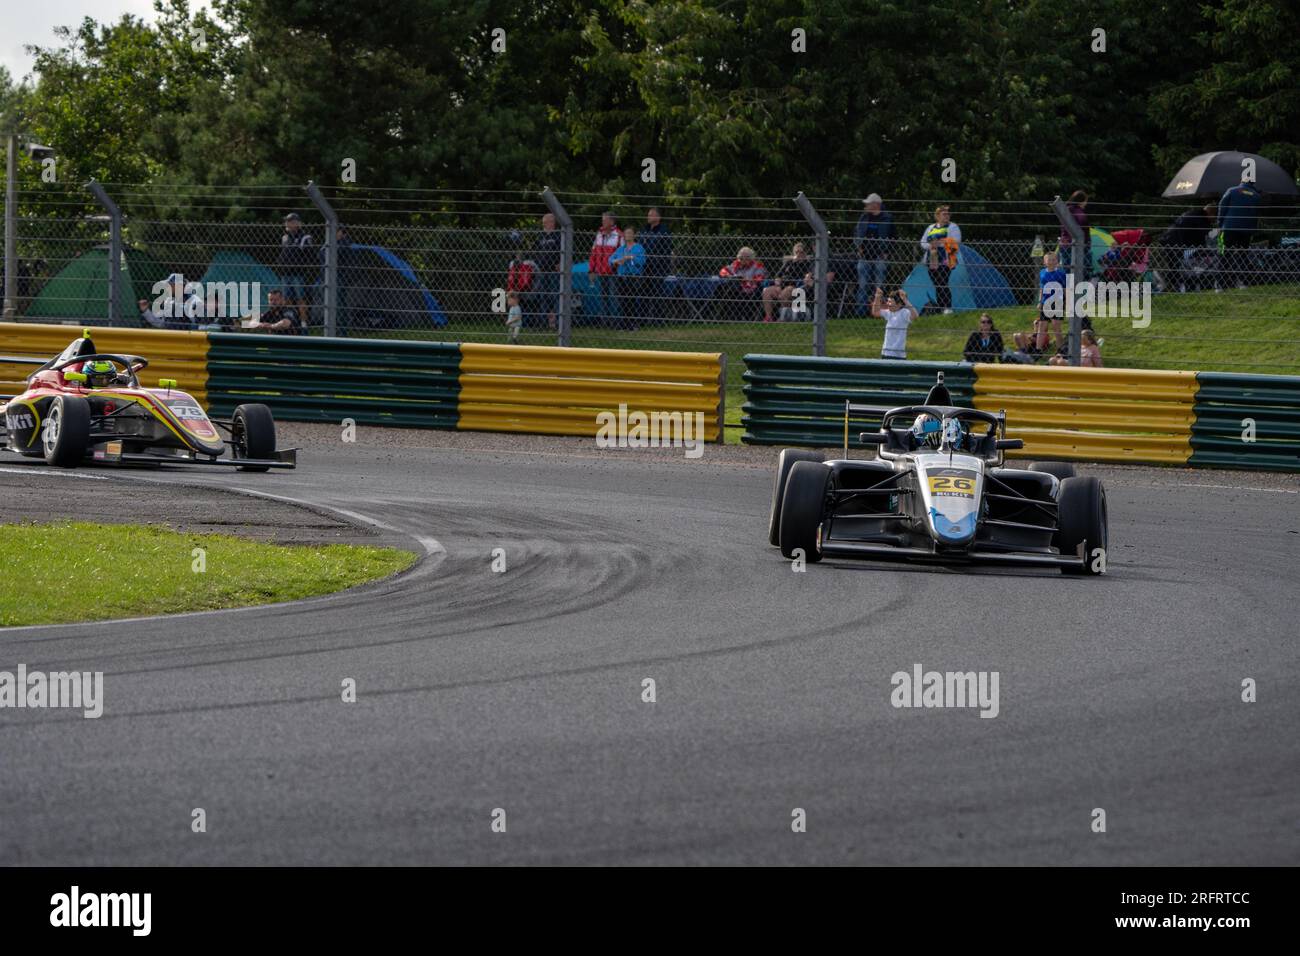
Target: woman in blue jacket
x: 628, y: 261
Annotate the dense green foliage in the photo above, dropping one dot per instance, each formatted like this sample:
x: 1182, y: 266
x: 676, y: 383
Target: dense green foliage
x: 275, y: 91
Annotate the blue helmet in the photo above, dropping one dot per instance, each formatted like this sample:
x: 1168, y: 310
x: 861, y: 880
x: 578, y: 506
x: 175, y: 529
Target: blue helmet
x: 927, y: 430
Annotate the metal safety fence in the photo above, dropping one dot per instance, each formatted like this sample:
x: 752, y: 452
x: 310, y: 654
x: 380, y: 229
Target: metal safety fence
x: 1148, y: 286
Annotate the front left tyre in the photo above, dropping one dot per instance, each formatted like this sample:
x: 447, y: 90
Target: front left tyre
x: 252, y: 433
x: 1083, y: 524
x: 802, y: 509
x: 65, y: 436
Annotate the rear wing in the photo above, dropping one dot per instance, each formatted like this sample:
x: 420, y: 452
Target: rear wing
x: 18, y: 360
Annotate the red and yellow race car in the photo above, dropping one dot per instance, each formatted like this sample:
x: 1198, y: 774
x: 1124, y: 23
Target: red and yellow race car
x: 89, y: 407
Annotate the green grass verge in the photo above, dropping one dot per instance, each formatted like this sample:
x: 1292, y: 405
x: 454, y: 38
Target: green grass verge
x: 79, y: 571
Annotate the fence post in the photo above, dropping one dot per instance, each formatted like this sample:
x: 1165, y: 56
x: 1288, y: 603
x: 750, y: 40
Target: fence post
x: 564, y: 321
x: 11, y: 228
x: 330, y: 286
x: 821, y: 264
x: 114, y: 248
x: 1078, y: 241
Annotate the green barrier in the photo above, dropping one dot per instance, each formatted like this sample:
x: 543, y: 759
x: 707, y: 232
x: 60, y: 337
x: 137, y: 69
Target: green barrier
x: 799, y: 400
x: 1247, y: 421
x: 371, y: 381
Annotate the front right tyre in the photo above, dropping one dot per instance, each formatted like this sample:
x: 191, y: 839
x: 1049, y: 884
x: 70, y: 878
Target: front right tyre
x: 803, y: 506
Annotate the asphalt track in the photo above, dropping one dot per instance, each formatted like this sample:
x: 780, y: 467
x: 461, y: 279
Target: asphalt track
x: 522, y: 690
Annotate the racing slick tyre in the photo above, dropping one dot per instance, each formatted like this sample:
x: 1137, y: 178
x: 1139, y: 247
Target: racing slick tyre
x: 784, y: 462
x: 1060, y: 469
x: 1081, y: 511
x: 65, y: 435
x: 252, y: 434
x: 802, y: 508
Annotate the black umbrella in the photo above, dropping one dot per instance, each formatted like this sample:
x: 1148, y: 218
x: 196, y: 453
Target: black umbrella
x: 1211, y: 174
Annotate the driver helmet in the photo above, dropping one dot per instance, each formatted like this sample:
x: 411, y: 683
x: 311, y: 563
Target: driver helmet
x: 926, y: 429
x: 955, y: 433
x: 99, y: 373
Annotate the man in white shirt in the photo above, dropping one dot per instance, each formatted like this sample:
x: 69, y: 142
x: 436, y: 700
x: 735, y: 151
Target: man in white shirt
x: 898, y: 314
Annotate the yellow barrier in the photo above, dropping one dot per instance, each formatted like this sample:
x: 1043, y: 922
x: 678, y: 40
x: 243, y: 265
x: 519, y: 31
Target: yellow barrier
x: 179, y: 355
x: 554, y: 391
x: 1132, y: 415
x: 1170, y: 417
x: 1092, y: 446
x: 1058, y: 381
x: 621, y: 364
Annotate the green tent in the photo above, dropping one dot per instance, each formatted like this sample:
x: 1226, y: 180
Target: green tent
x: 231, y: 265
x: 80, y: 289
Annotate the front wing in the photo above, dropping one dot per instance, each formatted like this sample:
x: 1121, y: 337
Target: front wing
x: 869, y: 550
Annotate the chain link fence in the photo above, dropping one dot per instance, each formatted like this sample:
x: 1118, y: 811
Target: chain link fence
x: 642, y: 272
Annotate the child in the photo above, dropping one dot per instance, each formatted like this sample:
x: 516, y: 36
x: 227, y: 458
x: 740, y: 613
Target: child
x: 514, y: 318
x: 1051, y: 285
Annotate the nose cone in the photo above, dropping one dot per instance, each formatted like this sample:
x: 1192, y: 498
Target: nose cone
x: 950, y: 531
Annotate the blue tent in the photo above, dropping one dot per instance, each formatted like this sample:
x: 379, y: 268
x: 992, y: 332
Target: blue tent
x: 975, y: 284
x: 380, y: 290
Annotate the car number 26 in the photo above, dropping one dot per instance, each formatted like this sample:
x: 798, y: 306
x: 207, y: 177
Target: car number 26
x: 963, y: 487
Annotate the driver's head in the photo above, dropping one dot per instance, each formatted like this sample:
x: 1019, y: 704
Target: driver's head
x: 927, y: 429
x: 954, y: 433
x: 99, y: 373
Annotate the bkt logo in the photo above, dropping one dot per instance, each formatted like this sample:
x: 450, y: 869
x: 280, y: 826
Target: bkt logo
x: 17, y: 422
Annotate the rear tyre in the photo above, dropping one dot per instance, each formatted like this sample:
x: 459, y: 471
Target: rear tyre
x: 252, y: 434
x: 1081, y: 510
x: 1061, y: 469
x: 802, y: 508
x: 784, y: 462
x: 65, y: 436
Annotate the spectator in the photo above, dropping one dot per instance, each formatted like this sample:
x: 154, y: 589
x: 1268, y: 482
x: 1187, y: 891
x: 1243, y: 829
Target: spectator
x: 521, y: 271
x: 794, y: 272
x: 514, y: 318
x: 898, y: 314
x: 175, y: 308
x: 1051, y: 286
x: 1238, y: 217
x: 1029, y: 345
x: 546, y: 256
x: 1077, y: 205
x: 628, y: 261
x: 297, y: 259
x: 279, y: 318
x: 600, y: 272
x: 746, y: 276
x: 1089, y: 352
x: 1179, y: 243
x: 872, y: 235
x: 941, y: 243
x: 658, y: 242
x: 984, y: 345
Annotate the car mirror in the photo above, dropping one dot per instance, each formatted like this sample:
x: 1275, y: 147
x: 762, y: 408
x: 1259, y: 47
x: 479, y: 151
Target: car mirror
x: 166, y: 383
x: 1008, y: 443
x: 75, y: 376
x: 871, y: 438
